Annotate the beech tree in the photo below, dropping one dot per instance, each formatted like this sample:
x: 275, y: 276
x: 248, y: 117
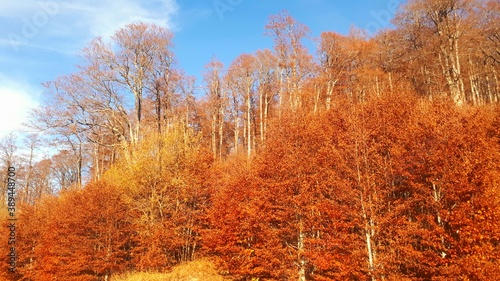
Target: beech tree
x: 217, y: 105
x: 71, y: 116
x: 293, y: 60
x: 282, y: 217
x: 165, y: 198
x: 241, y: 78
x: 378, y: 161
x: 447, y: 32
x: 42, y: 180
x: 83, y: 235
x: 336, y: 61
x: 93, y: 105
x: 441, y: 187
x: 267, y: 83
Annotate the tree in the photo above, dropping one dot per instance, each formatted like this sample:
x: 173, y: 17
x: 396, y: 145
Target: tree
x: 82, y: 235
x: 446, y: 19
x: 104, y: 104
x: 217, y: 103
x: 242, y: 82
x: 165, y: 198
x: 267, y: 83
x: 8, y: 155
x: 293, y: 60
x: 284, y: 214
x: 444, y: 170
x: 42, y: 180
x: 65, y: 170
x: 336, y: 61
x: 358, y: 167
x: 8, y: 149
x: 69, y: 119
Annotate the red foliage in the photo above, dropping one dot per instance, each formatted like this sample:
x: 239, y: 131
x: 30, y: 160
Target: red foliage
x: 82, y: 235
x: 346, y: 175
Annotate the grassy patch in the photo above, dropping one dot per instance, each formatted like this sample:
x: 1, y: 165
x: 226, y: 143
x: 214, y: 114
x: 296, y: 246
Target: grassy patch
x: 200, y: 270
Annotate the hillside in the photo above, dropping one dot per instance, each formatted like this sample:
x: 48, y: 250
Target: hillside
x: 376, y: 157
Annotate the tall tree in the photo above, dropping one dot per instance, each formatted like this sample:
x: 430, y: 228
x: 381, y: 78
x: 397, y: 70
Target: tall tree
x: 165, y: 202
x: 106, y: 101
x: 267, y: 84
x: 241, y: 78
x: 217, y: 103
x: 293, y: 59
x: 446, y: 19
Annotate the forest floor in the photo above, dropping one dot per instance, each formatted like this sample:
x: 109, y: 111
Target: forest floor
x: 199, y: 270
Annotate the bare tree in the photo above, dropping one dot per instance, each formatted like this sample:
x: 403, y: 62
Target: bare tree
x: 294, y: 62
x: 8, y: 150
x: 217, y: 104
x: 241, y: 79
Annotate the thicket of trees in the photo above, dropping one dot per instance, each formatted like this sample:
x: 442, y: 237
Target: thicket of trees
x: 377, y: 158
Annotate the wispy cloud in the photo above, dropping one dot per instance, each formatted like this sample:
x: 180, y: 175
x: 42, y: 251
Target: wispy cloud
x: 18, y: 44
x: 35, y: 23
x: 103, y: 18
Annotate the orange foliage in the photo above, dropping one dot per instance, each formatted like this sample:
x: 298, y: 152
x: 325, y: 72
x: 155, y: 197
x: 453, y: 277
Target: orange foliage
x: 82, y: 235
x: 288, y: 170
x: 411, y: 176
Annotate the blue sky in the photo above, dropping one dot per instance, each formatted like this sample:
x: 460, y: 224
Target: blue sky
x: 40, y: 39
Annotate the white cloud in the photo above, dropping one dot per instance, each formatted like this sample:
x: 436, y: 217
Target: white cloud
x: 16, y: 101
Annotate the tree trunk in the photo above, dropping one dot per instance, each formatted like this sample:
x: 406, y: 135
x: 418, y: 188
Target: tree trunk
x: 389, y: 77
x: 369, y: 233
x: 266, y: 111
x: 214, y: 139
x: 261, y: 116
x: 236, y: 131
x: 329, y: 93
x: 449, y: 34
x: 221, y: 130
x: 79, y: 165
x: 249, y: 123
x: 301, y: 261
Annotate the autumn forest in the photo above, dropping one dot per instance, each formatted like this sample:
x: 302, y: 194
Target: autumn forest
x: 373, y: 157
